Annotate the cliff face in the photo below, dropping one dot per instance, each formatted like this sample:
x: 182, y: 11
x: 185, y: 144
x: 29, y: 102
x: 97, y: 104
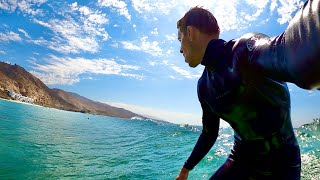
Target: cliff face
x: 17, y: 79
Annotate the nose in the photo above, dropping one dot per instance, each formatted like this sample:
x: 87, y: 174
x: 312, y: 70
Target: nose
x: 181, y: 51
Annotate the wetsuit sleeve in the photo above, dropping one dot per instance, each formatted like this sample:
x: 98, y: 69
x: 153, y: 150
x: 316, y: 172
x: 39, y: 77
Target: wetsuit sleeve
x: 206, y: 139
x: 294, y: 55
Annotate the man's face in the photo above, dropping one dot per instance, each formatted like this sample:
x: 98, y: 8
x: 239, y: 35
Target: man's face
x: 188, y: 50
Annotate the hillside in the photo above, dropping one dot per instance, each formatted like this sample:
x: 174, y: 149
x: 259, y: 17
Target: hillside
x: 89, y: 106
x: 14, y: 78
x: 17, y: 79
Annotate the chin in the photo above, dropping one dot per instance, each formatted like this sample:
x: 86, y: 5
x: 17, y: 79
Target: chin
x: 193, y: 65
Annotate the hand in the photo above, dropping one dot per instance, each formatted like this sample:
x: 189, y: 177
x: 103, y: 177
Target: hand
x: 183, y: 175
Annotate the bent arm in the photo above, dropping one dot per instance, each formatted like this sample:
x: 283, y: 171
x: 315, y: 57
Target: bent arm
x: 294, y: 56
x: 302, y: 46
x: 205, y: 142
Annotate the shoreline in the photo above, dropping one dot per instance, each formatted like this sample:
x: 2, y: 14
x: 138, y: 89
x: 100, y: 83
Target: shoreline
x: 15, y: 101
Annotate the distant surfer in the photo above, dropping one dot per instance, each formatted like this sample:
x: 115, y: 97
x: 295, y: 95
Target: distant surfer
x: 244, y: 83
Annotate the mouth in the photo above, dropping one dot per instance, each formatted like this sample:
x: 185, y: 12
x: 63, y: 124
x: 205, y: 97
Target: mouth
x: 185, y: 59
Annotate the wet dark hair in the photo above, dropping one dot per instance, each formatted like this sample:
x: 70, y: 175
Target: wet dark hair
x: 200, y: 18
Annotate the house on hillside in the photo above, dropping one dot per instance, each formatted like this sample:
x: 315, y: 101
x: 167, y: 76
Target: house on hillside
x: 13, y: 94
x: 19, y: 97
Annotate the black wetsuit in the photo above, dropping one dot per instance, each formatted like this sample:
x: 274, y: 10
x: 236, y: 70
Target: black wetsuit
x: 256, y: 107
x: 244, y: 84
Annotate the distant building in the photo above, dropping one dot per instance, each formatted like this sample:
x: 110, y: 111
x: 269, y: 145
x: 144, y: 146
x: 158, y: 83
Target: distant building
x: 21, y: 98
x: 12, y: 94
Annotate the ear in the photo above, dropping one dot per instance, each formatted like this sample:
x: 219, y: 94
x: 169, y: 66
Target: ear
x: 192, y: 33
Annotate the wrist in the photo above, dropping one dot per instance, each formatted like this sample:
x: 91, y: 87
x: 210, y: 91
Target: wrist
x: 184, y: 170
x: 188, y: 166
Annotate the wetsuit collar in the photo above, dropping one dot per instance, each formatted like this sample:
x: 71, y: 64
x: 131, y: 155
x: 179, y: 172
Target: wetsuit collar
x: 214, y: 53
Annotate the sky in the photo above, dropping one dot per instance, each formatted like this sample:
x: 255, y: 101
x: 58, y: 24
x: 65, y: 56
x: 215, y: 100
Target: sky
x: 126, y: 53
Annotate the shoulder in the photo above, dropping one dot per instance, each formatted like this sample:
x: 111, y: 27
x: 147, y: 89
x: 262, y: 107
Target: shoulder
x: 244, y: 51
x: 250, y: 41
x: 248, y: 45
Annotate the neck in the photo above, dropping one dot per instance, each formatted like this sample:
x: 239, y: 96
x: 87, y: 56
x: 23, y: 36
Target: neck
x: 204, y: 41
x: 214, y: 53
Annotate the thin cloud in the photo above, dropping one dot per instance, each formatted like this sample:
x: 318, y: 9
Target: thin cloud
x: 152, y: 63
x: 171, y: 37
x: 25, y: 33
x: 41, y: 42
x: 225, y: 11
x: 90, y: 17
x: 150, y: 47
x: 257, y: 3
x: 26, y: 6
x: 153, y: 6
x: 173, y: 77
x: 54, y: 79
x: 254, y: 16
x: 185, y: 73
x: 314, y: 93
x: 228, y: 16
x: 231, y: 14
x: 134, y: 27
x: 78, y: 28
x: 10, y: 36
x: 273, y: 5
x: 79, y: 31
x: 286, y: 10
x: 121, y: 6
x: 66, y: 70
x: 155, y: 31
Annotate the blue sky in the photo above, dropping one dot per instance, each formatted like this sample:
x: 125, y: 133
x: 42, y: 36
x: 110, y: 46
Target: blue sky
x: 126, y: 53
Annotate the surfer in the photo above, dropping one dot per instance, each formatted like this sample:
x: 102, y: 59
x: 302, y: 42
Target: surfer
x: 244, y: 83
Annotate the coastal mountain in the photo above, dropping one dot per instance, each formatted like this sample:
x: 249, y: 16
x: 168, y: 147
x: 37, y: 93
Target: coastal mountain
x: 15, y: 79
x: 93, y: 107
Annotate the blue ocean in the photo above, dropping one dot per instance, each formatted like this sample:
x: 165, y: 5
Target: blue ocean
x: 45, y: 143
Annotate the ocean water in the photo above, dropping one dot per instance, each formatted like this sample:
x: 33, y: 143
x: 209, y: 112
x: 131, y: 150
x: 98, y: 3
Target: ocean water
x: 44, y: 143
